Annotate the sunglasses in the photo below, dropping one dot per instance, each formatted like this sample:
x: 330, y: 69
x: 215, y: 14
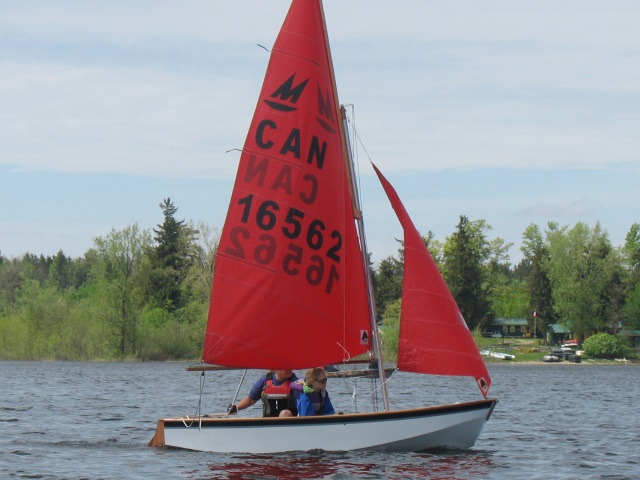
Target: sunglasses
x: 324, y: 380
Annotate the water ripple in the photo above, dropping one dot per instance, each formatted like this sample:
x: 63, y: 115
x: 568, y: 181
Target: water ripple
x: 552, y: 422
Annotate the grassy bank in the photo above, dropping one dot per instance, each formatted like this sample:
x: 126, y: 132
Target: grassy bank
x: 526, y: 350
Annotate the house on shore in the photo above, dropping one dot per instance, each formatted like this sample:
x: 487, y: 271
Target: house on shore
x: 520, y: 328
x: 508, y: 327
x: 633, y: 337
x: 557, y: 334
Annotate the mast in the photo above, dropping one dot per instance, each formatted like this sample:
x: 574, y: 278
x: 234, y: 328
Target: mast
x: 377, y: 348
x: 357, y: 212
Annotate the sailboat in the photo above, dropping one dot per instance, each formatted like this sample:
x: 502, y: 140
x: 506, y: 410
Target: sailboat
x: 292, y: 287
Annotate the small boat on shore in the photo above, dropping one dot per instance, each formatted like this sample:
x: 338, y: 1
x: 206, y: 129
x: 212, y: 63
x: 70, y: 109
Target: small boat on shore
x: 551, y: 359
x: 503, y: 356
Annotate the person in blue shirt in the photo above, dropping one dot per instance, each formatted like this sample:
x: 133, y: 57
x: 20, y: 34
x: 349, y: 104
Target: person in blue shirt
x: 312, y: 396
x: 274, y: 389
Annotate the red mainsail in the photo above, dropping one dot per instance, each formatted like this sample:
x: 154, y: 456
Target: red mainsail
x: 434, y: 337
x: 289, y: 287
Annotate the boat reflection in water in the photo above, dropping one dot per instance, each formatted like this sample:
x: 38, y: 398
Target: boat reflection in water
x: 447, y: 465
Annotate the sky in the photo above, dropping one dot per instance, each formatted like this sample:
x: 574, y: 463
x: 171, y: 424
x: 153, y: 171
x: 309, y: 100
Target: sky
x: 514, y: 112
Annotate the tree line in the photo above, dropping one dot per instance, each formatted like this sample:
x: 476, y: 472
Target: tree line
x: 135, y: 294
x: 143, y: 295
x: 571, y: 276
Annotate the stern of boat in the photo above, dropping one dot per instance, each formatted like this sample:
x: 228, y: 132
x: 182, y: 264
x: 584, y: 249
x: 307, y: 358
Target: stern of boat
x: 158, y: 438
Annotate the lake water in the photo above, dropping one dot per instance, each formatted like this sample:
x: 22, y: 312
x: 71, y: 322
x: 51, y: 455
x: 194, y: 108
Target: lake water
x: 93, y: 421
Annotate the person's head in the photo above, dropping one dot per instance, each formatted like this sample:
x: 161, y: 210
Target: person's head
x: 316, y: 378
x: 282, y: 375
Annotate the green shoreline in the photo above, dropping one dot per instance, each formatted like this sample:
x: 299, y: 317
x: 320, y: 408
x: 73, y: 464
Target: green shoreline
x: 587, y: 362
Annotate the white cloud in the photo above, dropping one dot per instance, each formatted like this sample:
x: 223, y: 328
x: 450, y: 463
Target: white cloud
x: 163, y: 88
x: 468, y: 85
x: 135, y: 121
x: 579, y: 207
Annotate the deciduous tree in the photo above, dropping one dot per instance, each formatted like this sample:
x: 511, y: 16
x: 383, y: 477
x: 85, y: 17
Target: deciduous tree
x: 631, y: 257
x: 579, y: 269
x: 123, y: 255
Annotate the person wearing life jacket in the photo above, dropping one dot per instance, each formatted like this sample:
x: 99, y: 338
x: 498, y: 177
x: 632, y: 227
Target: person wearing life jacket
x: 274, y: 389
x: 311, y: 394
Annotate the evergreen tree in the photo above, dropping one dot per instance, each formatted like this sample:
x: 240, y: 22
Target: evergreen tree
x: 541, y: 294
x: 173, y: 255
x: 168, y: 235
x: 463, y: 271
x: 388, y: 283
x: 36, y: 268
x: 538, y: 284
x: 60, y: 271
x: 11, y: 278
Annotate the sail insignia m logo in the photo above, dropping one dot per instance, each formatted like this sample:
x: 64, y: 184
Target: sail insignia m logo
x: 288, y: 95
x: 325, y: 115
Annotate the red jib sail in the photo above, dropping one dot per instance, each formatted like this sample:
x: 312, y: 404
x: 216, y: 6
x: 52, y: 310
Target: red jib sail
x: 433, y: 338
x: 289, y: 286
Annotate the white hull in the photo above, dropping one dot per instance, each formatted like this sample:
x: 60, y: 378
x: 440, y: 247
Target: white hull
x: 454, y: 426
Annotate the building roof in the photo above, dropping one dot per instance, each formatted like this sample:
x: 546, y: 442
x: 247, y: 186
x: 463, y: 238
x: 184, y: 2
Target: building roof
x: 630, y: 333
x: 509, y: 321
x: 559, y: 328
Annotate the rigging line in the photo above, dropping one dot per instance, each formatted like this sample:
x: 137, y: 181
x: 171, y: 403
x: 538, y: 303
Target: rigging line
x: 354, y: 395
x: 199, y: 407
x: 351, y: 388
x: 198, y: 411
x: 184, y: 422
x: 345, y: 351
x: 359, y: 140
x: 376, y: 387
x: 354, y: 398
x: 354, y: 145
x: 235, y: 396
